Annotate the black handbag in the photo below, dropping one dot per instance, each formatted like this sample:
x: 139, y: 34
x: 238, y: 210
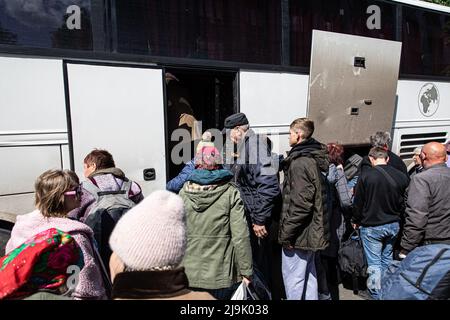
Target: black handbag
x: 352, y: 260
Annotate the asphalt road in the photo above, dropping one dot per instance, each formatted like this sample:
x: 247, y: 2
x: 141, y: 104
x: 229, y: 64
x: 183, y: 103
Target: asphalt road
x: 346, y: 294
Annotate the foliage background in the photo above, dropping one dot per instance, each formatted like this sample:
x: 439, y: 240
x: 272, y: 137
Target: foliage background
x: 443, y: 2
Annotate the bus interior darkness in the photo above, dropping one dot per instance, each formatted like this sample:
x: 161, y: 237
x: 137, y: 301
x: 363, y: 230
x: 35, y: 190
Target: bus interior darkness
x: 211, y: 96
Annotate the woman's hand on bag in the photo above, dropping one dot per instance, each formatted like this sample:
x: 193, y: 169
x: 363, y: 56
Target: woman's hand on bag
x: 246, y: 280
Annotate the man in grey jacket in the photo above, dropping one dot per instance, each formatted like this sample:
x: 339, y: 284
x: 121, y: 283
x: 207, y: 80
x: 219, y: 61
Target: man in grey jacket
x: 428, y: 206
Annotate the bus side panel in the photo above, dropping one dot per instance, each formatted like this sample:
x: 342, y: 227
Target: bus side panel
x: 422, y: 101
x: 21, y: 165
x: 120, y: 109
x: 33, y: 127
x: 65, y: 156
x: 32, y: 95
x: 14, y: 205
x: 272, y: 101
x: 422, y: 115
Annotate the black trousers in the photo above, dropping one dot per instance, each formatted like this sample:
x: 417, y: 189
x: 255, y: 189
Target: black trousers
x: 267, y: 260
x: 328, y: 276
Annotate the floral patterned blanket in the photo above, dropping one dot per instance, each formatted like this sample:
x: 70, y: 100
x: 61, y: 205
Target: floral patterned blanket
x: 40, y: 264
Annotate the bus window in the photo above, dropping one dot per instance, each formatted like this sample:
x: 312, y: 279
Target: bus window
x: 44, y: 24
x: 426, y: 43
x: 306, y: 16
x: 227, y: 30
x: 6, y: 36
x: 358, y: 22
x: 344, y: 16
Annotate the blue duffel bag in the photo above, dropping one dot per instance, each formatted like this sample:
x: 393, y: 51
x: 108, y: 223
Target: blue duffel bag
x: 423, y: 275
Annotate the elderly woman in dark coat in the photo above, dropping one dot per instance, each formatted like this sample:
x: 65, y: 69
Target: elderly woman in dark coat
x: 339, y: 201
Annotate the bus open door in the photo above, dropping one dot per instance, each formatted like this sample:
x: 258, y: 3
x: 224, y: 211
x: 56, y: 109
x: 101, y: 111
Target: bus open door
x: 352, y: 87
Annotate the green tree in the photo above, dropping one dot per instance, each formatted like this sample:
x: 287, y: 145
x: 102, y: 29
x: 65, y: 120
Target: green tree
x: 443, y: 2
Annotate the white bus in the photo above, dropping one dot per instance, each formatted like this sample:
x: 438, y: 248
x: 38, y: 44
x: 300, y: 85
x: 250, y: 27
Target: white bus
x: 82, y: 74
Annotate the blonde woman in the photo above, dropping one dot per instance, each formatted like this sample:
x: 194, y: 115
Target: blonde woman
x: 57, y: 193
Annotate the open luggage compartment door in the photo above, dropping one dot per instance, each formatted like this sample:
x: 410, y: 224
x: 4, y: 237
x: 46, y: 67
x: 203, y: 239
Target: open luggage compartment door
x: 352, y: 86
x: 120, y: 109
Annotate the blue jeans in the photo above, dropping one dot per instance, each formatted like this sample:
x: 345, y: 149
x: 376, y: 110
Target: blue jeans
x: 378, y: 245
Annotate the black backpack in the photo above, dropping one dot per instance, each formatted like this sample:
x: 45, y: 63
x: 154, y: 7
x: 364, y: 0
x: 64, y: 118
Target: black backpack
x: 352, y: 166
x: 352, y: 260
x: 109, y: 207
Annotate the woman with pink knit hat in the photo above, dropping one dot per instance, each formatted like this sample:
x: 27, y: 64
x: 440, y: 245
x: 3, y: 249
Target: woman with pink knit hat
x: 218, y: 254
x: 177, y: 183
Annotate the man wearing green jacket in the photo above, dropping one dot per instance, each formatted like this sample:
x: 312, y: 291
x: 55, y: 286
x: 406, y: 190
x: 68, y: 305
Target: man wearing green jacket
x: 303, y: 225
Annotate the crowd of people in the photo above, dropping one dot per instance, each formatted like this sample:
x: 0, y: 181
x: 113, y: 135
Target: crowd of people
x: 260, y: 219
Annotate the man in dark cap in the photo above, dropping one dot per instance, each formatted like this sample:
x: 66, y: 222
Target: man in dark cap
x: 255, y: 172
x: 235, y: 121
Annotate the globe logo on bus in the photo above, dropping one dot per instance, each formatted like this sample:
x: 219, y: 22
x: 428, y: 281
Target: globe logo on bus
x: 428, y: 100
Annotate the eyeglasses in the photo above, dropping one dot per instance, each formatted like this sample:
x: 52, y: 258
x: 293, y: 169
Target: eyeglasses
x: 77, y: 192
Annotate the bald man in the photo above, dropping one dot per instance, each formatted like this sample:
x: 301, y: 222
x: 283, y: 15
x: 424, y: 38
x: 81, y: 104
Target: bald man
x: 428, y: 206
x: 447, y: 148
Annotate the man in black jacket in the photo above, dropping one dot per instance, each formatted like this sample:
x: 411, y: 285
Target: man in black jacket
x: 255, y: 172
x: 304, y: 225
x: 378, y: 207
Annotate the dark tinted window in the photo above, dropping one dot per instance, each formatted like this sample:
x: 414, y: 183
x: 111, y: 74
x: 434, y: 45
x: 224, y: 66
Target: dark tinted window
x: 230, y: 30
x: 343, y: 16
x: 426, y: 43
x: 43, y: 24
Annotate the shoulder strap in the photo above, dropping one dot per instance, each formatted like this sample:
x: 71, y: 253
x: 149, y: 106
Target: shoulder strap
x: 97, y: 192
x: 91, y: 188
x: 387, y: 176
x: 126, y: 186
